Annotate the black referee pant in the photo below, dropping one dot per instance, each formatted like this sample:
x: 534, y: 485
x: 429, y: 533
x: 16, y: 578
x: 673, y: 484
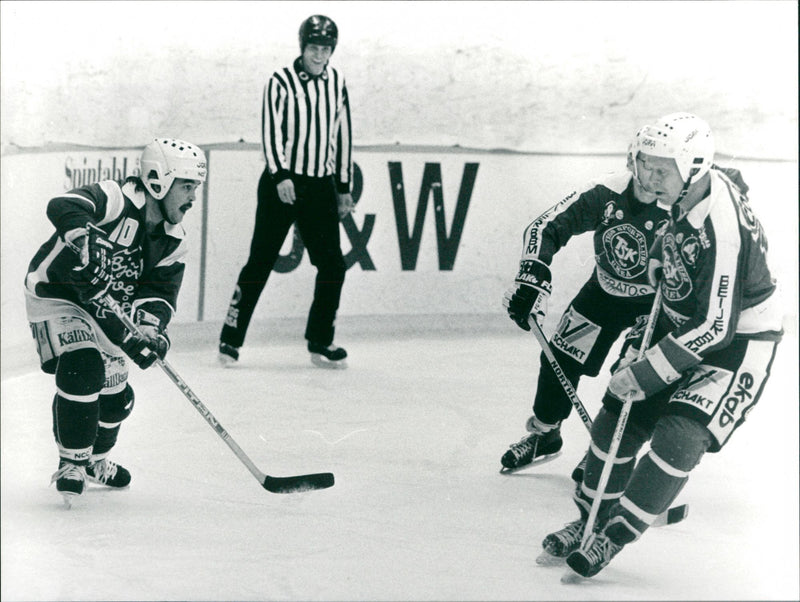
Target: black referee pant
x: 315, y: 211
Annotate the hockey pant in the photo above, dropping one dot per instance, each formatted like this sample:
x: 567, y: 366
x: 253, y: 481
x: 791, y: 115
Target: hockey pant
x: 92, y: 395
x: 585, y: 334
x: 697, y: 414
x: 317, y: 221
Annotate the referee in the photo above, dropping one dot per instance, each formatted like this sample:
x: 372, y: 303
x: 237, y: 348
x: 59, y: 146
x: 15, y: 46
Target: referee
x: 306, y: 139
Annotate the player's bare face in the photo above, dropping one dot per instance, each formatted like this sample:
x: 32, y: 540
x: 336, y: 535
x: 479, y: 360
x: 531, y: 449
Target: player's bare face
x: 659, y: 176
x: 315, y: 57
x: 179, y: 199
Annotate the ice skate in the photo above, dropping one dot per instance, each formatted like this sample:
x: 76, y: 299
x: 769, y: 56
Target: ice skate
x: 327, y: 356
x: 587, y: 563
x: 70, y: 480
x: 228, y: 354
x: 105, y: 472
x: 538, y: 447
x: 560, y: 544
x: 577, y: 472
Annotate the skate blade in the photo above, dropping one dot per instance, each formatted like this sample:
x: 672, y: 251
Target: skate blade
x: 571, y: 578
x: 536, y: 462
x: 226, y: 361
x: 68, y: 497
x: 320, y: 361
x: 547, y: 559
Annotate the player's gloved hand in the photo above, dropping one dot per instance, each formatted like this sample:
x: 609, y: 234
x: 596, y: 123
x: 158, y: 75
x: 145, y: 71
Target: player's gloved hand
x: 528, y: 295
x: 625, y: 359
x: 151, y: 343
x: 655, y: 271
x: 92, y: 277
x: 624, y: 385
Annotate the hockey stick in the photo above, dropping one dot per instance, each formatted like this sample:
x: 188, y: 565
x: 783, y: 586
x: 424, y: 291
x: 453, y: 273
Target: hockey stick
x: 292, y: 484
x: 675, y: 514
x: 622, y: 422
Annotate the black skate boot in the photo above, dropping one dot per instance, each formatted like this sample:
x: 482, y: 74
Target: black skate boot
x: 592, y: 560
x: 228, y: 354
x: 70, y: 480
x: 560, y: 544
x: 106, y: 472
x: 327, y: 356
x: 544, y: 443
x: 577, y: 472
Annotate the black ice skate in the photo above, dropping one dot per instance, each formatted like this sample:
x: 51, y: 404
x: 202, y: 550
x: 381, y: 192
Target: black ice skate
x: 560, y: 544
x: 70, y: 480
x: 106, y: 472
x: 228, y: 354
x: 327, y: 356
x: 536, y: 448
x: 577, y: 472
x: 596, y: 556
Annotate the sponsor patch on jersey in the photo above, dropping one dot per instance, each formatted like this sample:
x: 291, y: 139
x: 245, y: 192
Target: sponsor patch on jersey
x: 575, y: 335
x: 626, y: 250
x: 677, y: 284
x: 704, y: 388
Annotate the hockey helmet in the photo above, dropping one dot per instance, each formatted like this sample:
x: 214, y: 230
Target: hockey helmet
x: 165, y: 159
x: 680, y: 136
x: 318, y: 29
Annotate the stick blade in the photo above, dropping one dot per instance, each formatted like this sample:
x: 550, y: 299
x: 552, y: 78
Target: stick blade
x: 306, y: 482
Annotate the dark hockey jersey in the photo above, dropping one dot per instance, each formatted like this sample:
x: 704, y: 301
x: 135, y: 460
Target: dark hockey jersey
x: 624, y: 230
x: 147, y: 263
x: 716, y: 281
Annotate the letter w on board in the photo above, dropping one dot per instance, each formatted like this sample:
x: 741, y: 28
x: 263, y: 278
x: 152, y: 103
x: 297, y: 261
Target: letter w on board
x: 431, y: 185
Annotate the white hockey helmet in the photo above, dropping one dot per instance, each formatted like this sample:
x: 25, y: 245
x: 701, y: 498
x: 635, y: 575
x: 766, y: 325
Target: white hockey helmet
x: 680, y: 136
x: 165, y: 159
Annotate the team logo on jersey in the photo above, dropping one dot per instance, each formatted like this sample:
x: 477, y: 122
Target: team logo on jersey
x: 608, y: 213
x: 662, y: 227
x: 690, y: 249
x: 677, y: 284
x: 626, y: 250
x: 575, y: 335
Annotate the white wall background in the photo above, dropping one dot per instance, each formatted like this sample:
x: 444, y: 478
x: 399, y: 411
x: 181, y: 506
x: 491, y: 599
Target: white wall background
x: 540, y: 76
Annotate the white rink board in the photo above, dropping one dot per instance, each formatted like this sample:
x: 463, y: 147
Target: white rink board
x: 509, y: 191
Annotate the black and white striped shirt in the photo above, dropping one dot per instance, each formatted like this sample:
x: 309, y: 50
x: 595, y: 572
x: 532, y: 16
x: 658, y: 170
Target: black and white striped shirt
x: 306, y: 125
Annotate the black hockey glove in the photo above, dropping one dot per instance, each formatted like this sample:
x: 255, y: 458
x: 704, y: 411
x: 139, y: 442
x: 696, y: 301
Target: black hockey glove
x: 92, y: 277
x: 151, y: 343
x: 528, y: 295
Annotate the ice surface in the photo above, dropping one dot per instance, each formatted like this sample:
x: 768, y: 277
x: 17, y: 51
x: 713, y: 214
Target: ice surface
x: 413, y: 431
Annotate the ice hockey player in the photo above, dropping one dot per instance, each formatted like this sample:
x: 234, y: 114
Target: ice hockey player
x: 122, y: 239
x: 307, y: 181
x: 718, y: 328
x: 624, y: 218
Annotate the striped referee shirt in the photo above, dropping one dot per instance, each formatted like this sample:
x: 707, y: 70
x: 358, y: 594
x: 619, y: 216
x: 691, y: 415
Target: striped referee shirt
x: 306, y: 125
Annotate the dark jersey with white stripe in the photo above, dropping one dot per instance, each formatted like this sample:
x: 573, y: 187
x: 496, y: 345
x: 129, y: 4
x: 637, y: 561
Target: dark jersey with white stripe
x: 147, y: 263
x: 306, y: 125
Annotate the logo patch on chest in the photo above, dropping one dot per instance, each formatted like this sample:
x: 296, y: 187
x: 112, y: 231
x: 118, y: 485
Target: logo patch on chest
x: 626, y: 250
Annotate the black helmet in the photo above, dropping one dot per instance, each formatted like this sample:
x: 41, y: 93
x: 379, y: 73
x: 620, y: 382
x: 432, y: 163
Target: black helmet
x: 318, y: 29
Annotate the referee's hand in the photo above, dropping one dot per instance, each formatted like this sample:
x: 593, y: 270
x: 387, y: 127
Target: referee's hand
x: 286, y: 191
x: 346, y: 206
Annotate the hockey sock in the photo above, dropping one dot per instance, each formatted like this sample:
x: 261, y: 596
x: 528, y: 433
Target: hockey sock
x: 114, y: 409
x: 79, y: 378
x: 602, y: 432
x: 678, y: 445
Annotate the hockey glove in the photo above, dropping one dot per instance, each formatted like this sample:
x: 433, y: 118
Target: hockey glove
x: 528, y: 295
x: 150, y: 343
x: 92, y: 277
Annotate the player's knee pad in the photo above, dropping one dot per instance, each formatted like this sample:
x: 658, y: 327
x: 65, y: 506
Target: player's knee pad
x: 80, y: 372
x: 680, y: 442
x: 116, y: 407
x: 603, y: 429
